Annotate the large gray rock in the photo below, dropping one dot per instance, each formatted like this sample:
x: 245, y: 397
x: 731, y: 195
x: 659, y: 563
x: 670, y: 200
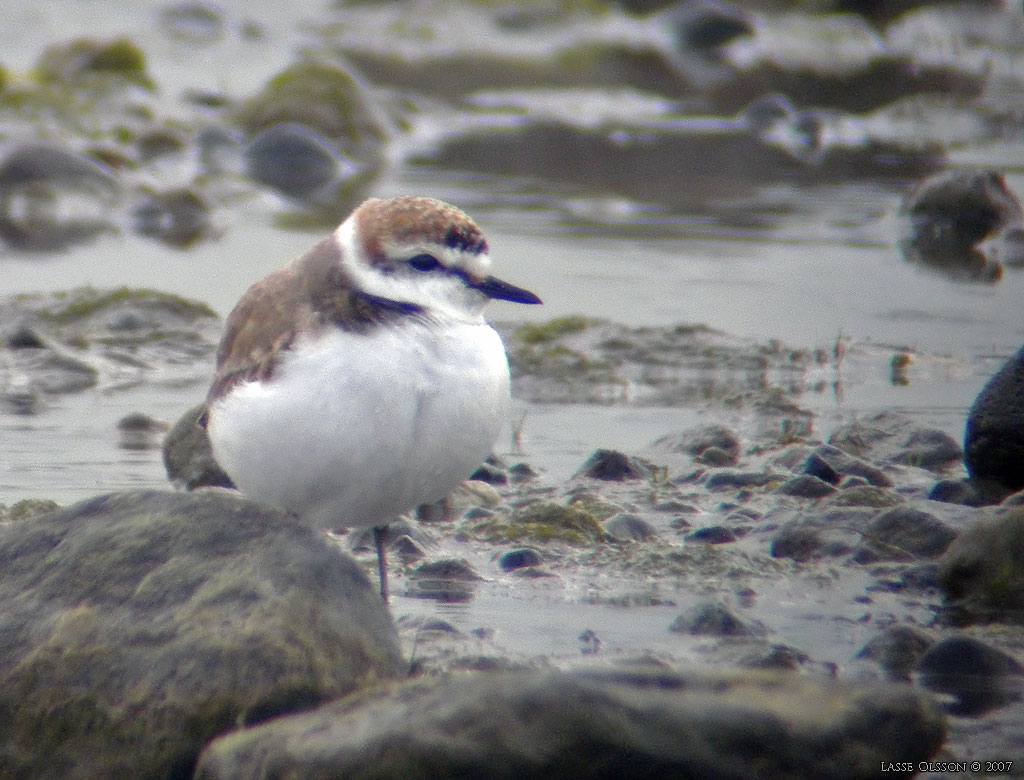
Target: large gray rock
x: 135, y: 627
x: 634, y: 723
x: 994, y: 437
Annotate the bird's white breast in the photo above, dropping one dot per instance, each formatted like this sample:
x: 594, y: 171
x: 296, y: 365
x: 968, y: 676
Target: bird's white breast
x: 353, y: 429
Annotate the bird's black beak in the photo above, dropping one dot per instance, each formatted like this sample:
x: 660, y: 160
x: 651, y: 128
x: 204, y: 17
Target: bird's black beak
x: 503, y: 291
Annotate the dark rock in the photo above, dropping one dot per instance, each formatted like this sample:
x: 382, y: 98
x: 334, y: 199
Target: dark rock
x: 642, y: 723
x: 612, y: 466
x: 897, y: 650
x: 739, y: 479
x: 697, y: 441
x: 846, y: 465
x: 711, y: 619
x: 979, y: 677
x: 521, y: 558
x: 492, y: 475
x: 159, y: 620
x: 806, y: 486
x: 408, y: 549
x: 712, y: 534
x: 24, y: 337
x: 904, y: 533
x: 713, y: 456
x: 776, y: 657
x: 816, y: 466
x: 799, y: 542
x: 957, y: 209
x: 188, y: 457
x: 292, y: 159
x: 994, y: 437
x: 521, y: 472
x: 968, y: 492
x: 139, y: 431
x: 625, y: 527
x: 982, y: 572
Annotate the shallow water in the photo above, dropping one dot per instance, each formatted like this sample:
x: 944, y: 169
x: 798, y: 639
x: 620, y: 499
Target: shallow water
x: 825, y: 265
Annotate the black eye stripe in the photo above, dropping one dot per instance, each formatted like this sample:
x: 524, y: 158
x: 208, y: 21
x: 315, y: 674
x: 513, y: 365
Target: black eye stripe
x: 424, y: 262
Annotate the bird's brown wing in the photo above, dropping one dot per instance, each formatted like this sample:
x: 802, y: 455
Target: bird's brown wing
x: 311, y: 293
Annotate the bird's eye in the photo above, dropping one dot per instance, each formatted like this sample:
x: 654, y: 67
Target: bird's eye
x: 424, y: 262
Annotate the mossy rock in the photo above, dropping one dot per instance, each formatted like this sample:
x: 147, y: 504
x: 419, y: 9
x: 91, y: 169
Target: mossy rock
x: 982, y: 572
x: 321, y: 96
x: 84, y: 59
x: 72, y: 306
x: 27, y: 509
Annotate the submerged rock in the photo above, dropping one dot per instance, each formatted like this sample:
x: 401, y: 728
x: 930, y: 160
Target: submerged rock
x: 642, y: 723
x: 962, y: 223
x: 52, y: 197
x: 159, y: 620
x: 994, y: 435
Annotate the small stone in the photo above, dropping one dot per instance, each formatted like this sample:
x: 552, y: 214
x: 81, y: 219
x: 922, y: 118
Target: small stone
x: 897, y: 650
x: 805, y: 486
x: 867, y: 495
x: 711, y: 619
x: 712, y: 534
x: 904, y: 532
x: 714, y: 456
x: 612, y: 466
x: 816, y: 466
x: 625, y: 527
x: 697, y: 441
x: 139, y: 431
x: 739, y: 479
x: 520, y: 558
x: 448, y: 569
x: 799, y: 542
x: 492, y: 475
x: 521, y: 472
x: 407, y: 549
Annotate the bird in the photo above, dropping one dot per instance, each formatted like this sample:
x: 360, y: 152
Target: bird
x: 361, y: 380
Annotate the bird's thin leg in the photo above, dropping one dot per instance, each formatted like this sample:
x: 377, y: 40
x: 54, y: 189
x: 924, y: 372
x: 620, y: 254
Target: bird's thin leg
x: 380, y: 533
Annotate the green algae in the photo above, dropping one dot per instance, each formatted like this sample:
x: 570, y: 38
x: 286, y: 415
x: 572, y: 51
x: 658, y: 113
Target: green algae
x: 542, y: 333
x: 547, y: 521
x: 75, y: 305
